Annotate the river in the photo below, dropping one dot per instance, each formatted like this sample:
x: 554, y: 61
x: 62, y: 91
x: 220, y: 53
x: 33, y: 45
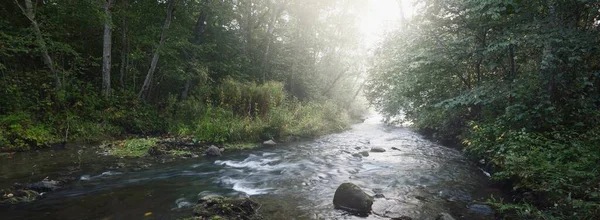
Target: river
x: 418, y: 178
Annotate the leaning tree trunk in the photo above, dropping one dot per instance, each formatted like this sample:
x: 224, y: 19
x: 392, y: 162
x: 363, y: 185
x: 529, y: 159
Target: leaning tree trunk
x: 156, y: 55
x: 106, y: 49
x: 29, y: 12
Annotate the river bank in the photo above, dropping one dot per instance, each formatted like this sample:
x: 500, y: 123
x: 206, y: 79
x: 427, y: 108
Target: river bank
x: 419, y: 179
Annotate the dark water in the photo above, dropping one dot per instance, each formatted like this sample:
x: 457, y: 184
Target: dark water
x: 297, y: 181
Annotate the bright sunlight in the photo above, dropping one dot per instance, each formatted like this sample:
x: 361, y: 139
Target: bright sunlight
x: 382, y: 16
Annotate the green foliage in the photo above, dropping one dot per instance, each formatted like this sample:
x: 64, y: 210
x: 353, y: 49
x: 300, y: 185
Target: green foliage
x: 135, y: 147
x: 516, y: 82
x: 248, y: 113
x: 19, y: 131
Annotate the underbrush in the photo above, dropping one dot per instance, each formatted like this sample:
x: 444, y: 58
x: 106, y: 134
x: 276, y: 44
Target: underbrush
x: 554, y: 174
x: 232, y: 112
x: 135, y: 147
x: 250, y: 112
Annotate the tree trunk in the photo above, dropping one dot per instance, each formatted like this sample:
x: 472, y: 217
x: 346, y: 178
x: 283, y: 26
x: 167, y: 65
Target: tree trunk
x: 248, y: 28
x: 270, y: 30
x: 335, y: 80
x: 29, y: 12
x: 156, y: 55
x: 106, y: 49
x: 124, y: 47
x: 513, y: 66
x: 547, y: 66
x: 482, y: 45
x: 197, y: 39
x: 201, y: 24
x: 186, y: 89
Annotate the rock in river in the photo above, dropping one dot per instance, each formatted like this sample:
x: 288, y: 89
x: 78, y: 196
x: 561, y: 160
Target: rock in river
x: 227, y: 208
x: 481, y: 209
x: 444, y: 216
x: 351, y: 198
x: 45, y: 185
x: 269, y: 143
x: 213, y: 151
x: 377, y: 150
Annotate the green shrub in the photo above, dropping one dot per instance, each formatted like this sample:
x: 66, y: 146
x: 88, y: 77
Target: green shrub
x: 19, y: 131
x: 136, y: 147
x: 559, y: 167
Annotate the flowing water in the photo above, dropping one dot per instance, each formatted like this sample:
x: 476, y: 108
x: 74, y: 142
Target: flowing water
x: 418, y: 178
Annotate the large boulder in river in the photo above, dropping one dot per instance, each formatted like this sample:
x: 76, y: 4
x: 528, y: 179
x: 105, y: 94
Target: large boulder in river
x: 213, y: 151
x: 351, y: 198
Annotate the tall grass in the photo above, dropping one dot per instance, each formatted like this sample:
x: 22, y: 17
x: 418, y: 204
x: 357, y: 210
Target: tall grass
x: 249, y: 112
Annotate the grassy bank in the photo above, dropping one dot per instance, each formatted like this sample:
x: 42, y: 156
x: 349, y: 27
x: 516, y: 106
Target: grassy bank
x: 232, y: 112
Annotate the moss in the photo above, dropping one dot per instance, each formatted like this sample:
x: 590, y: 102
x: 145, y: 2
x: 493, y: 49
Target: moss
x: 241, y: 146
x: 136, y: 147
x: 227, y: 208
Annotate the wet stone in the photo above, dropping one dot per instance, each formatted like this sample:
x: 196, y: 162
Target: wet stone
x: 444, y: 216
x: 269, y: 143
x: 480, y: 209
x: 213, y: 151
x: 227, y: 208
x: 349, y: 197
x: 377, y: 150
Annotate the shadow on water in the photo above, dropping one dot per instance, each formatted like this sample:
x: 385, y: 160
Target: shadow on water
x: 418, y: 178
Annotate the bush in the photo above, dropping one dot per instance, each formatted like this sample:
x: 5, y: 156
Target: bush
x: 136, y: 147
x: 559, y: 168
x: 247, y: 112
x: 19, y: 131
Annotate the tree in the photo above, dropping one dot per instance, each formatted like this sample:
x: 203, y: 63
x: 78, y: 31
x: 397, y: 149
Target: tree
x: 106, y: 49
x: 144, y: 91
x: 29, y: 12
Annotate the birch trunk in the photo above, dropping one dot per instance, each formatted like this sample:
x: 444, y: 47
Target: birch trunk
x: 29, y: 12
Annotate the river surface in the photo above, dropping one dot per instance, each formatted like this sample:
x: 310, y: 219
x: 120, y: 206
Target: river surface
x: 418, y: 178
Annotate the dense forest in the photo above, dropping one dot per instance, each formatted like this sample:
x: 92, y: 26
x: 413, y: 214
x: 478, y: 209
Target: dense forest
x: 516, y: 83
x: 221, y: 71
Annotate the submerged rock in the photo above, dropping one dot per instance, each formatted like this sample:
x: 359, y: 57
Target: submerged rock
x: 364, y: 153
x: 444, y: 216
x: 45, y: 185
x: 207, y: 195
x: 213, y: 151
x: 269, y: 143
x: 351, y: 198
x: 182, y: 203
x: 377, y: 150
x: 20, y: 196
x: 480, y: 209
x: 227, y: 208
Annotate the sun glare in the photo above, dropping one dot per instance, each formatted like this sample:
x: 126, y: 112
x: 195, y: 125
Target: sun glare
x: 383, y: 15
